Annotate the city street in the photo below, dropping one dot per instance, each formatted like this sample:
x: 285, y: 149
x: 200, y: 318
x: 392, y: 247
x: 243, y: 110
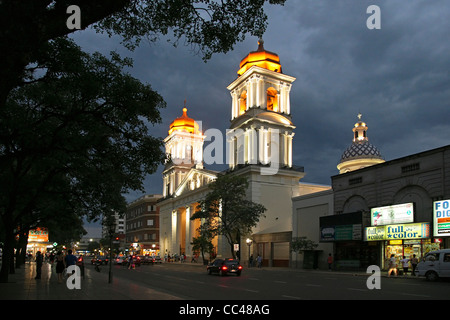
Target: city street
x: 191, y: 282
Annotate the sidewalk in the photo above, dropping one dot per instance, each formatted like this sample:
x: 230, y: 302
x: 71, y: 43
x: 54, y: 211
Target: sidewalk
x: 94, y: 286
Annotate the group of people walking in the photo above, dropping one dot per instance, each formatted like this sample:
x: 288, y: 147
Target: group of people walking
x: 62, y: 263
x: 392, y: 267
x: 258, y: 261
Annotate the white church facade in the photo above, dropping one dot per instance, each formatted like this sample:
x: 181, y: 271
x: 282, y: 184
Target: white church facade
x: 259, y: 144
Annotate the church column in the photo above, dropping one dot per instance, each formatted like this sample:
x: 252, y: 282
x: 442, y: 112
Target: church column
x: 188, y: 238
x: 261, y: 145
x: 253, y: 146
x: 288, y: 99
x: 289, y: 149
x: 282, y: 100
x: 172, y: 248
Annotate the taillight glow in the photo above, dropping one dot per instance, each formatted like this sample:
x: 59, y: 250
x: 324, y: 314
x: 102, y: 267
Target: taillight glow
x: 224, y: 268
x: 240, y: 267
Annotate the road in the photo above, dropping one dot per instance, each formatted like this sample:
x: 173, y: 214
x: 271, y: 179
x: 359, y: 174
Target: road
x: 191, y: 282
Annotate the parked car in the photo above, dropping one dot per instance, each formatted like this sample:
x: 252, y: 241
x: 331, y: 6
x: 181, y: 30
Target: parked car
x: 147, y: 259
x: 224, y: 267
x: 435, y: 265
x: 158, y: 259
x: 100, y: 260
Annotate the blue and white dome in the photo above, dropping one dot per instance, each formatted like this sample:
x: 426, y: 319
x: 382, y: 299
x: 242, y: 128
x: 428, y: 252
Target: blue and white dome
x: 360, y: 150
x: 361, y: 153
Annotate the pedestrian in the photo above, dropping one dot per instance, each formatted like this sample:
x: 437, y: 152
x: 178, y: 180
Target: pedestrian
x: 414, y: 262
x: 405, y: 265
x: 130, y: 261
x: 259, y: 261
x: 392, y: 265
x: 60, y: 266
x: 70, y: 259
x: 330, y: 261
x: 39, y: 261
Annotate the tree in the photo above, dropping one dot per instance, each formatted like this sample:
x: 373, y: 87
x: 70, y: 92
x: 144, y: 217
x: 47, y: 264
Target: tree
x: 226, y: 211
x: 209, y: 26
x: 73, y: 127
x: 74, y: 140
x: 203, y: 242
x: 301, y: 244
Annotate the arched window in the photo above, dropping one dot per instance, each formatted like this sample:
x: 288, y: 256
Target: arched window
x: 272, y: 99
x: 243, y: 102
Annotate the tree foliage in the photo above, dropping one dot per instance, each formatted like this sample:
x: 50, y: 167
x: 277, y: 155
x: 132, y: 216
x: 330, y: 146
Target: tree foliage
x: 75, y: 138
x: 226, y: 211
x: 301, y: 244
x: 74, y: 129
x: 208, y: 26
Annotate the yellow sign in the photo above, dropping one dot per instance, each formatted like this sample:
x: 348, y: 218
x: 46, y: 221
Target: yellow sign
x: 398, y: 232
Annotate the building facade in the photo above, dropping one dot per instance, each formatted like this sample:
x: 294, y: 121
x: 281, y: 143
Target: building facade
x: 399, y: 203
x: 142, y: 223
x: 259, y: 142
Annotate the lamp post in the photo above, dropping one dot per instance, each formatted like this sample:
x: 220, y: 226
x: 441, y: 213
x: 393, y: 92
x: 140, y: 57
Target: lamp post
x: 249, y: 243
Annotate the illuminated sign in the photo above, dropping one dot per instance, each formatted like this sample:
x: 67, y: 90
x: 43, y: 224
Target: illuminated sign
x: 441, y: 218
x: 399, y: 213
x: 38, y: 234
x: 398, y: 232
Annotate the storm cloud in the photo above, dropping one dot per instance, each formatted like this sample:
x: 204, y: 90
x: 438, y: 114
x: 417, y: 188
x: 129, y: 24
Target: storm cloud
x: 397, y: 77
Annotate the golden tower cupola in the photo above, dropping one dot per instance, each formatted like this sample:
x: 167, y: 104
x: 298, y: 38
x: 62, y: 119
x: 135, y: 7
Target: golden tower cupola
x: 184, y: 124
x: 261, y: 58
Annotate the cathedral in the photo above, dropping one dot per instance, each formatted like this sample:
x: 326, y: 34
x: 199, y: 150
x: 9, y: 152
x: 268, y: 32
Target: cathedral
x: 259, y: 147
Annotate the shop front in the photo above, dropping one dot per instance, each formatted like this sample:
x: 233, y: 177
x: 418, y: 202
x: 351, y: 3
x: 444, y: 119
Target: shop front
x: 402, y: 240
x: 350, y: 251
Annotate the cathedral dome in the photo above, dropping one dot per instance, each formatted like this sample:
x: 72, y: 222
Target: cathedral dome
x: 361, y: 153
x: 261, y: 58
x: 361, y: 150
x: 184, y: 124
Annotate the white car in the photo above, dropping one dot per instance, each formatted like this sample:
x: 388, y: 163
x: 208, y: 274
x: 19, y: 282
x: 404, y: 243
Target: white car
x: 435, y: 265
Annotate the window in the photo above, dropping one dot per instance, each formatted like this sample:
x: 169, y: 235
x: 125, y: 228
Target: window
x: 355, y: 180
x: 432, y: 257
x: 447, y: 257
x: 272, y: 99
x: 150, y: 222
x: 243, y: 102
x: 411, y: 167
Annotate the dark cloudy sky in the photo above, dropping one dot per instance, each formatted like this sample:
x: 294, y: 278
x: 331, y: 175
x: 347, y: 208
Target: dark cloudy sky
x: 397, y: 77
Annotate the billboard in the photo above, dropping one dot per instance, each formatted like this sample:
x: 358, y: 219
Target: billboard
x: 38, y: 234
x: 441, y: 218
x: 341, y: 232
x: 398, y: 232
x: 395, y: 214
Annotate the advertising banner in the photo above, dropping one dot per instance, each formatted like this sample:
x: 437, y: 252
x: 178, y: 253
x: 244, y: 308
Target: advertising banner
x: 341, y: 233
x: 441, y: 218
x: 398, y: 232
x: 38, y: 234
x: 399, y: 213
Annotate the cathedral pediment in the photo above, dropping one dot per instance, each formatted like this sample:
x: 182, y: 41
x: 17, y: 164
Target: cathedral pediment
x: 195, y: 179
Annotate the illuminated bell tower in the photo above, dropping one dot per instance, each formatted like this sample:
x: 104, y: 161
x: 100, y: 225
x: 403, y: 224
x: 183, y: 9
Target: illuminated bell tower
x: 184, y: 145
x: 261, y: 130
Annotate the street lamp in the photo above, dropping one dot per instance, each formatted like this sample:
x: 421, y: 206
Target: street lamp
x: 249, y: 243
